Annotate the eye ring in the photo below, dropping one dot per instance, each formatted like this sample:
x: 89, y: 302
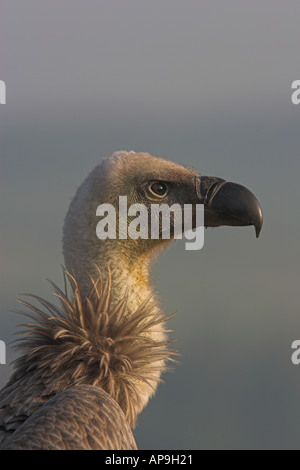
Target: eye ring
x: 158, y: 189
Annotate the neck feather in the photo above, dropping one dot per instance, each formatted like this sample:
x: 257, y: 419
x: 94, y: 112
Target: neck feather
x: 90, y: 340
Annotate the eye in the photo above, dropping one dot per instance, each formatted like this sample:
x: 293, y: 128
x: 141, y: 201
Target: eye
x: 158, y: 189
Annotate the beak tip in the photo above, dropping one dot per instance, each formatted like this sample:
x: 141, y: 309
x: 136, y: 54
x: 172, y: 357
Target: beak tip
x: 259, y: 224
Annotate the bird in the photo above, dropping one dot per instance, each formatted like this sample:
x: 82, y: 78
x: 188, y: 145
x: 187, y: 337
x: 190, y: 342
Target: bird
x: 90, y: 363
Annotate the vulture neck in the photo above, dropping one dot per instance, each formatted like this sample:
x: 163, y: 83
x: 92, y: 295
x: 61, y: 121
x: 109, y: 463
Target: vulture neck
x: 126, y: 264
x: 129, y: 271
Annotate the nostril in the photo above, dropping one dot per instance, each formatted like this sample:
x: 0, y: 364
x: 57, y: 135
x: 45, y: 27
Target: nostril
x: 211, y: 192
x: 207, y: 187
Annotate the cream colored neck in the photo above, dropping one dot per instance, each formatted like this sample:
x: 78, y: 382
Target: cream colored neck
x: 130, y: 274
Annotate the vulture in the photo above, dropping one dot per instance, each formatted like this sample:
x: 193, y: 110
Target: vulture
x: 91, y: 359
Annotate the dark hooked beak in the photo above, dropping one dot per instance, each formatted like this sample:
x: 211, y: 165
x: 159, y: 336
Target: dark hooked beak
x: 228, y: 204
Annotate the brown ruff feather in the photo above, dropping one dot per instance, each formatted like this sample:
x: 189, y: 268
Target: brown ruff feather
x: 90, y: 341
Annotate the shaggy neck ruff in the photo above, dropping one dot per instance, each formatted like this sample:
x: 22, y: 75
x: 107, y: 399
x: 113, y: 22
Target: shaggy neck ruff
x: 90, y: 340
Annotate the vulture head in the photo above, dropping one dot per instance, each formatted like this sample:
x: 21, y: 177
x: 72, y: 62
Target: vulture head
x: 149, y: 181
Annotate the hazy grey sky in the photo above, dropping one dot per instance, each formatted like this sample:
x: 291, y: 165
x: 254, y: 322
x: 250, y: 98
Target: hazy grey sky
x: 208, y: 84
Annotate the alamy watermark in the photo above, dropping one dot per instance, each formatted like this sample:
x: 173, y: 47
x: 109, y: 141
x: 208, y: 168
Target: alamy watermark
x: 2, y: 352
x: 2, y: 92
x: 163, y: 222
x: 296, y: 354
x: 296, y: 93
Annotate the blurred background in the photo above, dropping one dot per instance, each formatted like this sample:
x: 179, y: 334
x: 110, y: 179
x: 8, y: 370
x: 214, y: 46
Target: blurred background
x: 205, y: 83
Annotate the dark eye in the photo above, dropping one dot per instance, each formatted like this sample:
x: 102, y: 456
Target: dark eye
x: 158, y: 189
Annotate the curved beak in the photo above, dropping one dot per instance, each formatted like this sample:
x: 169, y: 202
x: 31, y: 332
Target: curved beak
x: 228, y: 203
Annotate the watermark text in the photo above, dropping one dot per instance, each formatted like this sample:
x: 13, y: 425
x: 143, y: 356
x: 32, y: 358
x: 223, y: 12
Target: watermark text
x: 2, y: 92
x: 2, y: 352
x: 163, y: 222
x: 296, y: 93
